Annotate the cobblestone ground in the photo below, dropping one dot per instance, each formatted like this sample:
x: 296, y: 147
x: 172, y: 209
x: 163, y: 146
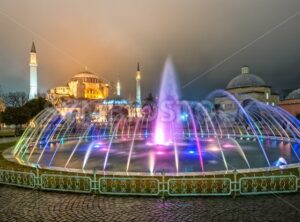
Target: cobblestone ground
x: 17, y: 204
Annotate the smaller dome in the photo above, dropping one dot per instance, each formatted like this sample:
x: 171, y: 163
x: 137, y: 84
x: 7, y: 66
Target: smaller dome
x: 294, y: 94
x: 245, y: 79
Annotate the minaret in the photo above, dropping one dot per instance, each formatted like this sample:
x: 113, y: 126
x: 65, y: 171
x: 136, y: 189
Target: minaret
x: 138, y: 86
x: 33, y: 73
x: 118, y: 88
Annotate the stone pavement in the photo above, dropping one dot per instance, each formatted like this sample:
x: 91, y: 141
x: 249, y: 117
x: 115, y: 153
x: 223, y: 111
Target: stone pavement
x: 18, y: 204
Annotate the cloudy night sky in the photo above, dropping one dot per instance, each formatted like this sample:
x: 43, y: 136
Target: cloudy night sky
x: 109, y: 37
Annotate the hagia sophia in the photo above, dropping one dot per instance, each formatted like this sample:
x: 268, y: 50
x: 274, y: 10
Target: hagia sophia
x: 84, y: 85
x: 85, y: 91
x: 87, y: 86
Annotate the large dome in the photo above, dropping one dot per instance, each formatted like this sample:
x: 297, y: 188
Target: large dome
x: 245, y: 79
x: 86, y: 76
x: 294, y: 94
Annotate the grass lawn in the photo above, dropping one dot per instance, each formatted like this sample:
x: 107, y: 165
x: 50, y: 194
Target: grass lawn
x: 5, y: 164
x: 7, y: 133
x: 4, y: 146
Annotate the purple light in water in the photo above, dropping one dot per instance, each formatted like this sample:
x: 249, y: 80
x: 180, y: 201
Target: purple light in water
x: 162, y: 145
x: 196, y: 137
x: 160, y: 153
x: 228, y: 145
x: 160, y: 136
x: 99, y: 144
x: 214, y: 149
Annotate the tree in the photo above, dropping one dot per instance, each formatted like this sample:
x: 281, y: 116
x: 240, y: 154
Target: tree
x: 149, y: 100
x: 35, y: 106
x: 21, y: 115
x: 15, y: 99
x: 117, y: 112
x: 149, y: 106
x: 1, y: 119
x: 16, y: 116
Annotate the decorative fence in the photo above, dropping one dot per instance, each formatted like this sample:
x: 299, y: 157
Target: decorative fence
x: 226, y: 185
x: 129, y: 186
x: 268, y: 184
x: 18, y: 178
x: 81, y: 184
x: 199, y: 187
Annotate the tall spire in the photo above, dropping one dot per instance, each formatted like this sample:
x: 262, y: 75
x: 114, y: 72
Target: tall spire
x: 118, y: 88
x: 33, y: 48
x: 138, y: 86
x: 138, y: 71
x: 33, y: 73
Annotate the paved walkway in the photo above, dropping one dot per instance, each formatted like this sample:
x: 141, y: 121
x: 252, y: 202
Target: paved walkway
x: 17, y: 204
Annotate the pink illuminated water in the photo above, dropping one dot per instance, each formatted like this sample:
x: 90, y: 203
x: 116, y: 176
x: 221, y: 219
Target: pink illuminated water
x: 167, y: 123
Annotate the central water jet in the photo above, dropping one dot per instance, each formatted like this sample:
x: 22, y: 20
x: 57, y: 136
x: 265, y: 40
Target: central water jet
x: 167, y: 123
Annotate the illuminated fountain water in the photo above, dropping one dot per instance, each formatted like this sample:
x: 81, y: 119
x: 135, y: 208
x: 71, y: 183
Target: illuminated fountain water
x: 167, y: 124
x: 184, y: 137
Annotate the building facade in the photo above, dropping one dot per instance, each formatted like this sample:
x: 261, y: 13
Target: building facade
x: 84, y: 85
x: 86, y: 93
x: 292, y: 102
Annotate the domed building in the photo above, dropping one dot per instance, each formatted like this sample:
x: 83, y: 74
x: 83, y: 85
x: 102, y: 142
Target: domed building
x: 292, y: 102
x: 248, y: 85
x: 245, y: 80
x: 87, y: 95
x: 84, y: 85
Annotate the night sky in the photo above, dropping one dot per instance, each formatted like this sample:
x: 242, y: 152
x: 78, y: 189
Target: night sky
x: 109, y: 37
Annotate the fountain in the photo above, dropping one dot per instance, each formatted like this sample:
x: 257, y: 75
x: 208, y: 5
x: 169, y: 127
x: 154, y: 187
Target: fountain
x: 167, y: 124
x: 184, y: 137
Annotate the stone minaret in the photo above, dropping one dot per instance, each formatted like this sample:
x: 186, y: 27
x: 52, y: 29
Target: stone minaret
x: 138, y: 86
x: 33, y: 73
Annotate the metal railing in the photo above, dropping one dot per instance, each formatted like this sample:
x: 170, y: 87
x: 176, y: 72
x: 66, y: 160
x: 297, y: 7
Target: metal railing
x: 223, y: 185
x: 268, y: 184
x: 199, y: 187
x: 17, y: 178
x: 129, y: 186
x: 81, y: 184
